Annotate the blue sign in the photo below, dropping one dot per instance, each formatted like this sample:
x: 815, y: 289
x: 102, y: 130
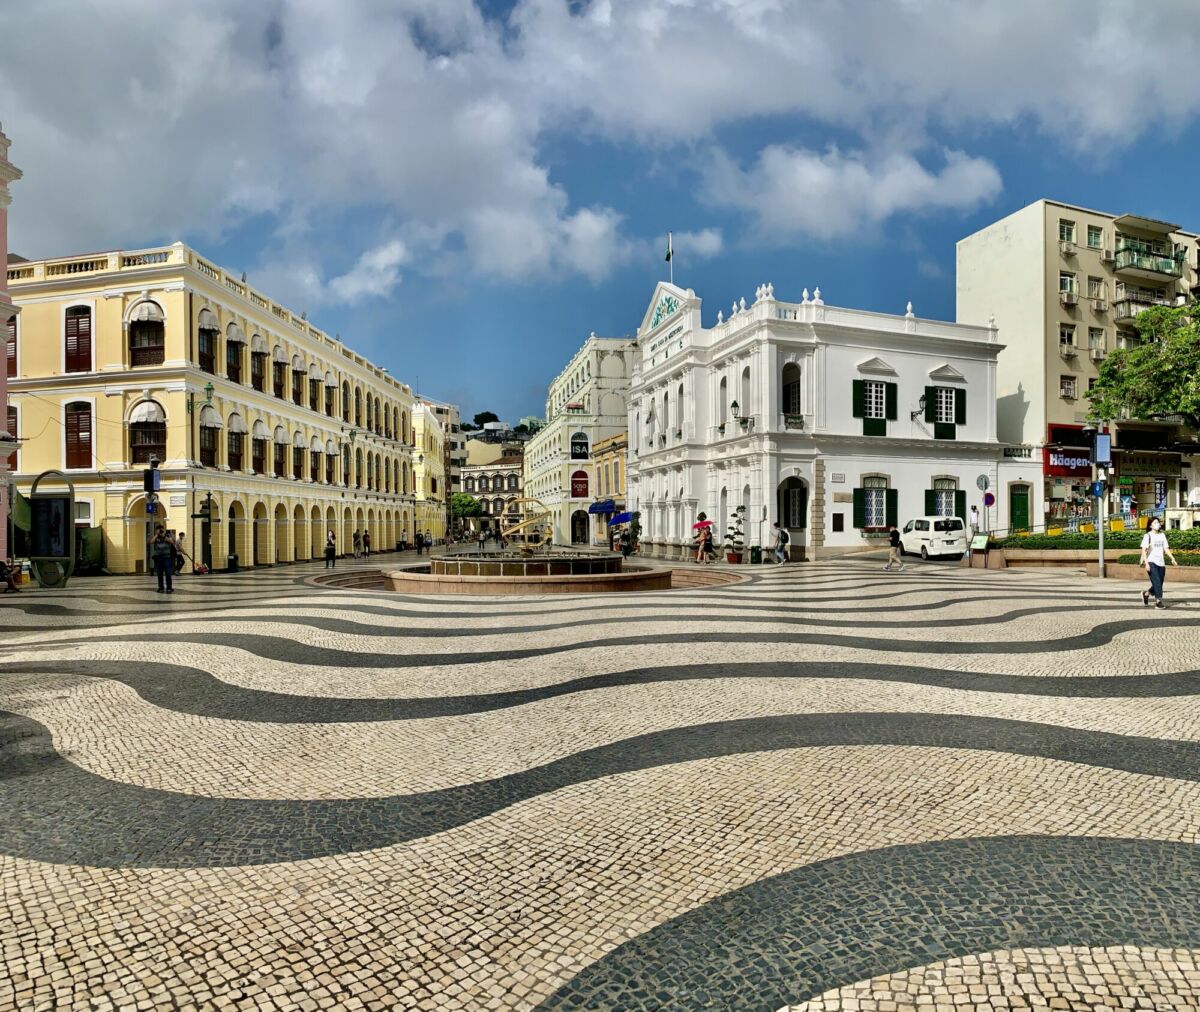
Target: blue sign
x: 150, y: 508
x: 1097, y: 489
x: 989, y: 500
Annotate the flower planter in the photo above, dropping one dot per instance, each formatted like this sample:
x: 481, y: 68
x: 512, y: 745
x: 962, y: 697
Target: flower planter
x: 733, y: 558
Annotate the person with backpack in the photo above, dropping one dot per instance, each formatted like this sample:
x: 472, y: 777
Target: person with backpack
x: 781, y: 542
x: 1155, y: 552
x: 366, y: 544
x: 162, y: 552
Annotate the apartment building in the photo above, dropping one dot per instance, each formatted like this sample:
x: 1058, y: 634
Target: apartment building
x: 8, y: 313
x: 584, y: 403
x: 1065, y: 285
x: 431, y: 471
x: 121, y: 358
x: 497, y: 485
x: 837, y: 423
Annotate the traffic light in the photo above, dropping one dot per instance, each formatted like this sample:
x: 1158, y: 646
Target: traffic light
x: 151, y: 477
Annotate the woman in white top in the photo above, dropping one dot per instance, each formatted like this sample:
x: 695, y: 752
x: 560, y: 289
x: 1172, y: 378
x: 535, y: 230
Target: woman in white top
x: 1154, y: 548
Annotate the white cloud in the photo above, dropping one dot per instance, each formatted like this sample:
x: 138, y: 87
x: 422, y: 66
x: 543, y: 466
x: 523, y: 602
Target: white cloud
x: 791, y: 191
x: 375, y: 274
x: 704, y: 244
x: 165, y: 120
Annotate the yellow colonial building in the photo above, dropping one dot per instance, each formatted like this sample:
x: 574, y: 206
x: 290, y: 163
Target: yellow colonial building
x: 430, y: 467
x: 118, y: 358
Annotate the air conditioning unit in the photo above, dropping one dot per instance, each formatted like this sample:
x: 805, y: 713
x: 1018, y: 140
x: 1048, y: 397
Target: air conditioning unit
x: 1068, y: 350
x: 1107, y: 256
x: 1098, y: 354
x: 1068, y: 298
x: 1100, y: 305
x: 1066, y: 248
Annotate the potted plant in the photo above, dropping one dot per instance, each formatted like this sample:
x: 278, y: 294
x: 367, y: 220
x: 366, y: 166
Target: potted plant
x: 734, y: 540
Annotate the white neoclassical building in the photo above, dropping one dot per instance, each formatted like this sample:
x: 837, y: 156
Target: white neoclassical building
x: 836, y: 422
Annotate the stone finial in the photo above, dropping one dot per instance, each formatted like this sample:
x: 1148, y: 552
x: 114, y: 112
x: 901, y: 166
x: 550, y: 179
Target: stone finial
x: 720, y: 317
x: 817, y: 300
x: 758, y: 293
x: 770, y: 290
x: 992, y: 322
x: 908, y: 309
x: 804, y: 300
x: 733, y: 309
x: 742, y: 304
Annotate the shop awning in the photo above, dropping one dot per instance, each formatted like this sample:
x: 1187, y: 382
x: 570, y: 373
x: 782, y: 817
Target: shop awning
x: 620, y: 518
x: 603, y: 506
x: 147, y: 412
x: 234, y: 334
x: 147, y: 312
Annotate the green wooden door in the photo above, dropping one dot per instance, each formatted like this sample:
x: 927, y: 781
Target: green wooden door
x: 1018, y: 507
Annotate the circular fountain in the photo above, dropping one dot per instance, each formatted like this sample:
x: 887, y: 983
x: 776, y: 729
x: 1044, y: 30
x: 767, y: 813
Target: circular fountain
x: 553, y: 571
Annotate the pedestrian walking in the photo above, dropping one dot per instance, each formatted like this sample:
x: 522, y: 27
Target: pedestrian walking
x: 356, y: 542
x: 420, y: 540
x: 482, y: 540
x: 180, y: 554
x: 162, y: 553
x: 781, y: 542
x: 429, y: 542
x: 974, y: 522
x: 330, y: 551
x: 1155, y: 552
x: 708, y: 551
x: 895, y: 554
x: 366, y: 544
x: 626, y: 542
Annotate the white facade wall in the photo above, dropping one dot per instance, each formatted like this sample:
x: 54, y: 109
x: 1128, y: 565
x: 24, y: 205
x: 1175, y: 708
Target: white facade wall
x: 690, y: 454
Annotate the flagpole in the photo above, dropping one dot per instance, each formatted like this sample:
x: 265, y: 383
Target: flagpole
x: 670, y: 259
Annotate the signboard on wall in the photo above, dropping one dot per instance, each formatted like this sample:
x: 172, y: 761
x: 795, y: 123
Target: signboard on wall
x: 579, y: 485
x: 579, y: 446
x: 1067, y: 462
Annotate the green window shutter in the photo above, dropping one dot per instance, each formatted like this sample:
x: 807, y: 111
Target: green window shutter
x: 960, y: 505
x: 891, y: 506
x: 931, y: 404
x: 960, y: 407
x: 890, y: 398
x: 930, y: 502
x: 874, y: 427
x: 860, y: 508
x: 859, y: 399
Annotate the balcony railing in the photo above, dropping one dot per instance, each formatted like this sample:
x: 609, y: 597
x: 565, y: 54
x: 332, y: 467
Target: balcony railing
x: 1153, y: 263
x: 1127, y: 309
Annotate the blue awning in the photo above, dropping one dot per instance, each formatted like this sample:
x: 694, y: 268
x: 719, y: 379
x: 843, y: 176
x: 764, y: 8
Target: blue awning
x: 621, y: 518
x: 603, y: 506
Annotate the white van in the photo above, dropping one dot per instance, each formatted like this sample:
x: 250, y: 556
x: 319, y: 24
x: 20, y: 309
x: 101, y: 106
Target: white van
x: 930, y: 536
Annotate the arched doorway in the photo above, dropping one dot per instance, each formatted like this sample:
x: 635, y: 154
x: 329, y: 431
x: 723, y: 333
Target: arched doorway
x: 316, y: 536
x: 299, y: 541
x: 791, y: 510
x: 347, y: 545
x: 235, y: 536
x: 262, y: 535
x: 281, y: 534
x: 579, y: 527
x: 140, y: 530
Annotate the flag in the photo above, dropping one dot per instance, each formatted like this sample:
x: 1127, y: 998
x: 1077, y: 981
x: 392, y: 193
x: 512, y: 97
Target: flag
x: 19, y: 510
x: 669, y: 251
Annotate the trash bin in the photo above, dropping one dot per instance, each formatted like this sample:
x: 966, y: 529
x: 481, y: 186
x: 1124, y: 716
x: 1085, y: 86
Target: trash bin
x: 755, y: 555
x: 399, y: 546
x: 231, y: 564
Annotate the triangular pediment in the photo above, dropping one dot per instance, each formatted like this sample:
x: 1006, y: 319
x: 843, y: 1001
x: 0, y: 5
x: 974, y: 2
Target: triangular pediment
x: 947, y: 373
x: 666, y: 304
x: 877, y: 366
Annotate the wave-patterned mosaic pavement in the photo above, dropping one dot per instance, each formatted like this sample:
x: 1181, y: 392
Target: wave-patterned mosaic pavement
x: 828, y: 787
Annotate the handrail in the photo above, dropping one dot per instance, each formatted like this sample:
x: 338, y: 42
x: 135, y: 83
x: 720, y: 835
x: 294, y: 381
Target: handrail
x: 1071, y: 525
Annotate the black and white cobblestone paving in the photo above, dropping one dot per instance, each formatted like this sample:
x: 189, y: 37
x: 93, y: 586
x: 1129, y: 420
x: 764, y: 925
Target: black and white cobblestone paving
x: 825, y: 788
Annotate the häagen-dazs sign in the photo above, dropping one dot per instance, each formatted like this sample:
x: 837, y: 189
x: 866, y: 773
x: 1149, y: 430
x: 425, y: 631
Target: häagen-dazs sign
x: 1070, y: 462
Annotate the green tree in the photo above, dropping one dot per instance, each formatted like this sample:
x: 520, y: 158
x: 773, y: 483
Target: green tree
x: 463, y: 506
x: 1157, y: 378
x: 521, y: 430
x: 483, y: 417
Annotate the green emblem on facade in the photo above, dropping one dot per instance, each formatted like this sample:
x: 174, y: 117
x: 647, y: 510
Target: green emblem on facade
x: 666, y: 306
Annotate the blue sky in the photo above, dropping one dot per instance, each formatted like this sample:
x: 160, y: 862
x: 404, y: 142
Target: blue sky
x: 465, y: 191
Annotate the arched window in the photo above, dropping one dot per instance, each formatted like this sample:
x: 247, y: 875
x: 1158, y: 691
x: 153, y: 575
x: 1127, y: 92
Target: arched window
x: 792, y: 402
x: 358, y: 416
x: 345, y: 402
x: 259, y: 437
x: 298, y: 448
x: 370, y: 414
x: 679, y: 410
x: 146, y: 337
x: 346, y: 466
x: 299, y: 375
x: 279, y: 364
x: 210, y: 427
x: 78, y: 423
x: 513, y: 482
x: 617, y: 475
x: 497, y: 506
x: 404, y: 427
x: 147, y: 432
x: 722, y: 402
x: 258, y: 363
x: 78, y: 339
x: 206, y: 341
x: 235, y: 344
x: 469, y: 485
x: 235, y: 442
x: 744, y: 407
x: 358, y: 468
x: 281, y: 444
x: 10, y: 345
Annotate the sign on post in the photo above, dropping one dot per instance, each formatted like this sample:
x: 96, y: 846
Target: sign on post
x: 982, y: 483
x: 989, y: 499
